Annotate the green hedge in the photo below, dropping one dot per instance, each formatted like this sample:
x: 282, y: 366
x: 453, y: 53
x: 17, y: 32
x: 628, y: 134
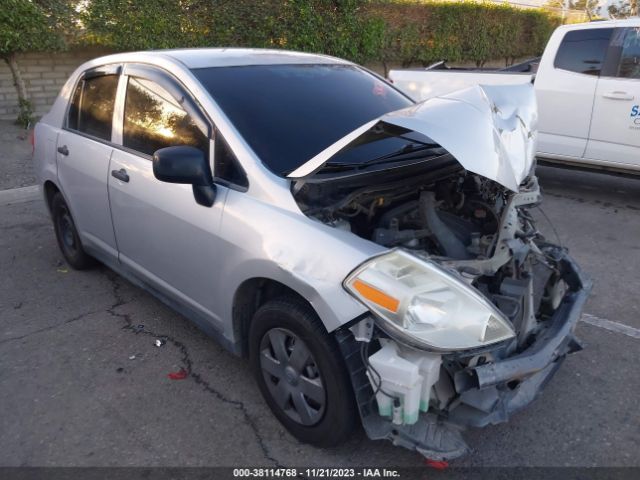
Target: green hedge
x: 423, y: 33
x: 402, y: 32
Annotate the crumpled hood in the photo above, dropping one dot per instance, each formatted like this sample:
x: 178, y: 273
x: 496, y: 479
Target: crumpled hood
x: 490, y: 130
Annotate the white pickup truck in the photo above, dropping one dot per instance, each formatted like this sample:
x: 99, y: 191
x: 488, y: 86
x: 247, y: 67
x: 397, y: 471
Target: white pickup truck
x: 587, y: 84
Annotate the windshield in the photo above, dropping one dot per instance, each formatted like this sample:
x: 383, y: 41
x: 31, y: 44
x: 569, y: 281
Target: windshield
x: 290, y: 113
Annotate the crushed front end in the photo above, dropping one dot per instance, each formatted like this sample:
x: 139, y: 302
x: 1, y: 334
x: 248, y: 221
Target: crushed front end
x: 471, y: 309
x: 420, y: 395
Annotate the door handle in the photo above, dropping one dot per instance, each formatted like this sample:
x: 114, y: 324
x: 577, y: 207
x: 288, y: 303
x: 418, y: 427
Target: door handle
x: 618, y: 96
x: 120, y: 175
x: 63, y: 150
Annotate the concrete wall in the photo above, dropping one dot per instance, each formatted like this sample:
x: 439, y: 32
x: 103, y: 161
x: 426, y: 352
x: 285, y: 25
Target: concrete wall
x: 44, y: 74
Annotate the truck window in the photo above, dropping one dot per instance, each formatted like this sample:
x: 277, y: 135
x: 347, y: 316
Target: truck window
x: 629, y: 66
x: 91, y: 109
x: 583, y: 51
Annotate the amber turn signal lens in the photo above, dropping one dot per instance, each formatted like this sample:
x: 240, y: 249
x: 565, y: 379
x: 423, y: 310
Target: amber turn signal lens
x: 376, y: 296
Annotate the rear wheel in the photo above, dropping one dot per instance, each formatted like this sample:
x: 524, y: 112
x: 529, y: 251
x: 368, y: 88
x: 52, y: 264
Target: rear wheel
x: 300, y: 372
x: 67, y: 235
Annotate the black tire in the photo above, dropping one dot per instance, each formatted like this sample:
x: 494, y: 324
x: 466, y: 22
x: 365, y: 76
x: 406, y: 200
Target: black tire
x: 67, y: 235
x: 330, y: 425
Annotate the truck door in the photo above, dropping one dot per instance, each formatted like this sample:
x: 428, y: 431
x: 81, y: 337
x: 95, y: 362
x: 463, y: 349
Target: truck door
x: 615, y: 127
x: 565, y: 89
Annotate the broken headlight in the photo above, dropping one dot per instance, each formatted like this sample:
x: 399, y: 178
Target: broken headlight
x: 421, y: 304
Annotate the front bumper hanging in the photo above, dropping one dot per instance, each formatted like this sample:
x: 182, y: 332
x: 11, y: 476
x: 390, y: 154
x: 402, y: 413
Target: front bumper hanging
x: 486, y: 394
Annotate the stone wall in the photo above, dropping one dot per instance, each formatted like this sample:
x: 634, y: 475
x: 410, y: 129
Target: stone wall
x: 44, y: 74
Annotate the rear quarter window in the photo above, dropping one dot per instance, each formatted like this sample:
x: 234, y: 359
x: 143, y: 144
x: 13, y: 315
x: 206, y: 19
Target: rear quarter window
x: 583, y: 51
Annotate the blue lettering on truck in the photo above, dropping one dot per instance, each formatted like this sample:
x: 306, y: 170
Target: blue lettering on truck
x: 635, y: 110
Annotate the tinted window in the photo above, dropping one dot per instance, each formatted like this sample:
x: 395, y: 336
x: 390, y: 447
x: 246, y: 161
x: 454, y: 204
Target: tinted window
x: 630, y: 59
x: 91, y: 109
x: 583, y: 51
x: 153, y: 119
x: 289, y: 113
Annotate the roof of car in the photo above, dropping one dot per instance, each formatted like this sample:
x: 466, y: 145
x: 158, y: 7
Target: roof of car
x: 232, y: 57
x: 628, y: 22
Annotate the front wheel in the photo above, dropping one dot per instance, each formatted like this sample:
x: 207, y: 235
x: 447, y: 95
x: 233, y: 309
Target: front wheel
x: 301, y: 374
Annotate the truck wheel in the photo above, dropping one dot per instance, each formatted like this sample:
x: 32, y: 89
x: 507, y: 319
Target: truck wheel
x: 300, y: 372
x: 67, y: 235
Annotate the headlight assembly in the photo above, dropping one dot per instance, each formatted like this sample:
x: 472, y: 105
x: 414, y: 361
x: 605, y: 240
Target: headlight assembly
x: 419, y: 303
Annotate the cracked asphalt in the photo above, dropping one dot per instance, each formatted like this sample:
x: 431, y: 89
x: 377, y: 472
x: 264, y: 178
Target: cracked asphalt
x: 83, y: 384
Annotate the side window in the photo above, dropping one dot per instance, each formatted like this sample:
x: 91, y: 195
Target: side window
x: 227, y: 167
x: 153, y: 119
x: 629, y: 66
x: 583, y: 51
x: 91, y: 109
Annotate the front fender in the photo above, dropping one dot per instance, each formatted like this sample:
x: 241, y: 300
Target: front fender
x: 309, y: 257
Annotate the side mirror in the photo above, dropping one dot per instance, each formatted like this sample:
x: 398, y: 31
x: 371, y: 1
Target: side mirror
x: 187, y: 165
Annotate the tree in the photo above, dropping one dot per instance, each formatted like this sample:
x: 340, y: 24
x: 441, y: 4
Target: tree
x: 624, y: 9
x: 590, y: 7
x: 24, y: 27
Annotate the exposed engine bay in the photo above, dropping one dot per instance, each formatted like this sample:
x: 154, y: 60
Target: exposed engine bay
x: 484, y: 234
x: 462, y: 221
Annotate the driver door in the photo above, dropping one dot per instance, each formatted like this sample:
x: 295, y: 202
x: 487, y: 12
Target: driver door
x: 163, y: 236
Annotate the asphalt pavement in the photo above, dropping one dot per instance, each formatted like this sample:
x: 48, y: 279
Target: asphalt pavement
x: 82, y: 382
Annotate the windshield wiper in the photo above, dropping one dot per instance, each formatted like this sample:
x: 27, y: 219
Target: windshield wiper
x: 405, y: 153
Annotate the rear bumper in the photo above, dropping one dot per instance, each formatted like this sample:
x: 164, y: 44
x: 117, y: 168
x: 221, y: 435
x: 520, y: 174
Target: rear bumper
x: 490, y: 393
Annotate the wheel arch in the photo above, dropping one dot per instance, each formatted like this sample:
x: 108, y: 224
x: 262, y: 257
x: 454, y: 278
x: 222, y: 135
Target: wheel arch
x: 50, y: 189
x: 249, y: 297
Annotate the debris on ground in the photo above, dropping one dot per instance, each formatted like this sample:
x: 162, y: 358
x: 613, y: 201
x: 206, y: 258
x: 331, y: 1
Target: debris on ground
x: 132, y: 357
x: 63, y: 270
x: 160, y: 342
x: 179, y: 375
x: 437, y: 464
x: 138, y: 328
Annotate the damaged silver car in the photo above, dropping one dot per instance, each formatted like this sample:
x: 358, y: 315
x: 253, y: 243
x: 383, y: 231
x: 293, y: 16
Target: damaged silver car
x: 375, y: 259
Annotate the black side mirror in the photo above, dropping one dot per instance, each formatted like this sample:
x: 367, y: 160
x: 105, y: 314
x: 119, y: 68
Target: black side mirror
x: 187, y: 165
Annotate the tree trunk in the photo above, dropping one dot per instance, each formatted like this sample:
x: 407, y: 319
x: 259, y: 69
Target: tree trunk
x: 18, y: 81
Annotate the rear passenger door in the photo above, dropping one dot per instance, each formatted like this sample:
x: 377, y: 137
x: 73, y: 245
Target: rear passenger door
x: 83, y: 154
x: 615, y: 127
x: 565, y: 94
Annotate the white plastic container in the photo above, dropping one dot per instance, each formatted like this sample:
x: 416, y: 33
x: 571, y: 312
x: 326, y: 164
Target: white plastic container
x: 400, y: 378
x: 429, y: 369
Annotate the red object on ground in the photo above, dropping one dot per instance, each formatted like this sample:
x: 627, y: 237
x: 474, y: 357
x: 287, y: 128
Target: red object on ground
x: 437, y: 464
x: 179, y: 375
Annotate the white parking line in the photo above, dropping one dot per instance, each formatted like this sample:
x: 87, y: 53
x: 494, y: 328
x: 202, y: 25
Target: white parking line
x: 18, y: 195
x: 611, y: 325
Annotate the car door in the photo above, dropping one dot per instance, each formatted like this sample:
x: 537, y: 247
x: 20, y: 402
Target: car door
x: 615, y: 127
x: 565, y: 92
x: 83, y: 155
x: 164, y: 237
